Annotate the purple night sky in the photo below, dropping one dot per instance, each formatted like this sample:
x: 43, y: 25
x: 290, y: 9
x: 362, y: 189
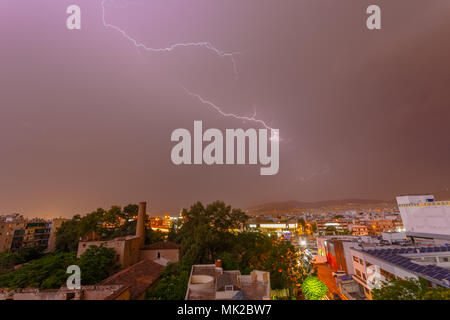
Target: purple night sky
x: 86, y: 117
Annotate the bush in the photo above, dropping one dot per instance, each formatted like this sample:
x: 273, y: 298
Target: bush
x: 48, y: 272
x: 97, y: 264
x: 314, y: 289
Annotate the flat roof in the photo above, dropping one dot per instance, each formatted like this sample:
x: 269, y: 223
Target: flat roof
x: 396, y: 256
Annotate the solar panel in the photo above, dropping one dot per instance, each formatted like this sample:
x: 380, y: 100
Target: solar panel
x: 421, y: 269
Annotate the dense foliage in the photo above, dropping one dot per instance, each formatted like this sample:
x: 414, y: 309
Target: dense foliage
x: 9, y: 259
x: 210, y: 233
x: 173, y: 284
x: 410, y: 289
x: 313, y: 288
x: 49, y: 271
x: 71, y: 231
x: 96, y: 264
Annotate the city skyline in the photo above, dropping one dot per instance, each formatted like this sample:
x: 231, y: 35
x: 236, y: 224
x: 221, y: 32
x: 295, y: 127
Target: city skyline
x: 87, y: 115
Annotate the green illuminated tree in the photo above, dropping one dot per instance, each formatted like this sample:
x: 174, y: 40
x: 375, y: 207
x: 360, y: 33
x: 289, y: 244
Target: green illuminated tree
x: 314, y: 289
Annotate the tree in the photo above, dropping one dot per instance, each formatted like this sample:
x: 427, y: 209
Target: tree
x: 172, y: 285
x: 207, y: 232
x: 283, y: 264
x: 48, y: 272
x: 314, y: 289
x: 437, y: 294
x: 409, y: 289
x: 345, y: 232
x: 68, y: 235
x: 96, y: 264
x: 331, y: 230
x: 153, y: 236
x: 10, y: 259
x: 122, y: 221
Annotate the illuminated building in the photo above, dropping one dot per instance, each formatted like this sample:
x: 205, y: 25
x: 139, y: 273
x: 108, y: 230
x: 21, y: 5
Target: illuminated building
x: 285, y: 230
x: 339, y: 224
x: 374, y: 266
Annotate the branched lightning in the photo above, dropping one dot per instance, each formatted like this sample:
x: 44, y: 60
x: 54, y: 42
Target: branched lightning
x: 207, y: 45
x: 141, y: 45
x: 274, y: 133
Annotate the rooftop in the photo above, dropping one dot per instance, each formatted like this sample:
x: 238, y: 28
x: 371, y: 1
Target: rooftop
x: 161, y: 245
x: 137, y: 277
x: 402, y: 257
x: 208, y: 282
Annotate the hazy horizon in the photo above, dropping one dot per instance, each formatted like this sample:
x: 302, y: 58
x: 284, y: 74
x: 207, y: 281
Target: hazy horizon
x: 87, y: 115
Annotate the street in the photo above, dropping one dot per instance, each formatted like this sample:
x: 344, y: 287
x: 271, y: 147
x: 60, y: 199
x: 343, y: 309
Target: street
x: 324, y: 275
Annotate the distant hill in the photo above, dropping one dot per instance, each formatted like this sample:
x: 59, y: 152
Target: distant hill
x: 293, y: 205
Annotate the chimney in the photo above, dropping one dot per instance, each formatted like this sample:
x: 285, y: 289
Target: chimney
x: 140, y: 226
x: 219, y: 264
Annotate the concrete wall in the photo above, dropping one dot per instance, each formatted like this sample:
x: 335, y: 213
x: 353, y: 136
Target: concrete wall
x: 56, y: 223
x: 85, y: 293
x: 420, y: 216
x: 127, y: 249
x: 168, y: 254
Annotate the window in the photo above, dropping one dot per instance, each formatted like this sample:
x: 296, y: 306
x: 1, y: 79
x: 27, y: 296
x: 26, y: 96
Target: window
x: 358, y: 273
x: 355, y: 259
x: 364, y: 276
x: 368, y: 264
x: 361, y: 261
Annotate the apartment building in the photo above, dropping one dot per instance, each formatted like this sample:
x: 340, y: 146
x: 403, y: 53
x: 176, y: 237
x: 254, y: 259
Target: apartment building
x: 426, y: 221
x: 211, y: 282
x: 374, y: 266
x: 8, y: 225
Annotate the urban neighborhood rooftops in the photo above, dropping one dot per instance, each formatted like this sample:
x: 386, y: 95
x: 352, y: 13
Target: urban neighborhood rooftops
x: 162, y: 245
x: 138, y: 277
x: 211, y: 282
x: 404, y: 258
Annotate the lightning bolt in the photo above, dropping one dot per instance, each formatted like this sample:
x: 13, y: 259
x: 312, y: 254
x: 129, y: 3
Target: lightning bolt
x: 274, y: 132
x: 141, y: 45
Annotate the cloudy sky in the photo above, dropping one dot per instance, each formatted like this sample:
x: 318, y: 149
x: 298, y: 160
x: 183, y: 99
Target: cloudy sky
x: 86, y: 116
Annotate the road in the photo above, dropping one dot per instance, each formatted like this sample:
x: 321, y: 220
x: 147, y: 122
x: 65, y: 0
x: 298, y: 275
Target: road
x: 324, y: 275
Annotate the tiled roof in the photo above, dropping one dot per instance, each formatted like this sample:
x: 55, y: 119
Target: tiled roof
x: 398, y: 256
x: 137, y: 277
x: 162, y: 245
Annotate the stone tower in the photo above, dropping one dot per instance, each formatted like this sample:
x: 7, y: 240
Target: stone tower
x: 140, y: 226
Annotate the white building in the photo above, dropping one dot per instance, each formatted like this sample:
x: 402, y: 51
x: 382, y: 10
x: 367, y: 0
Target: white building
x: 427, y: 222
x: 374, y: 266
